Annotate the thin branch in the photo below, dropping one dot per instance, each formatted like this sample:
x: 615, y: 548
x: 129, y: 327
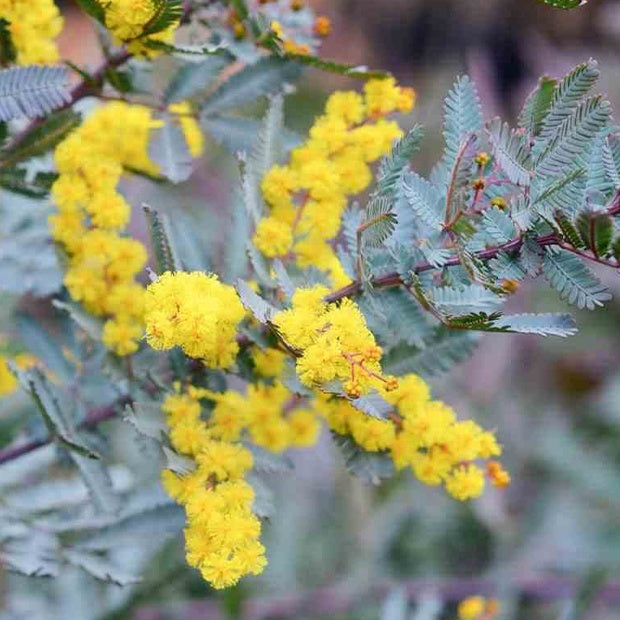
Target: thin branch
x: 93, y: 419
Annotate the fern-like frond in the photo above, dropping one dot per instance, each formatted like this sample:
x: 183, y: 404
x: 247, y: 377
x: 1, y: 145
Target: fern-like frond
x: 567, y: 96
x: 32, y: 91
x: 424, y: 199
x: 379, y: 223
x: 572, y: 279
x: 574, y: 137
x: 512, y: 152
x: 394, y: 164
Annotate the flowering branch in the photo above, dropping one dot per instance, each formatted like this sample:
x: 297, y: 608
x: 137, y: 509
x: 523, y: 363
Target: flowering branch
x: 394, y: 278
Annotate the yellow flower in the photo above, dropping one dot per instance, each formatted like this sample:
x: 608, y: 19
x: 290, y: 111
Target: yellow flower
x: 121, y: 336
x: 273, y: 237
x: 189, y: 126
x: 471, y: 608
x: 196, y: 312
x: 465, y: 482
x: 33, y: 27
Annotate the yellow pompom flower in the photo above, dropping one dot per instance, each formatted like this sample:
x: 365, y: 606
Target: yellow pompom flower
x: 196, y: 312
x: 33, y: 26
x: 334, y: 342
x: 121, y: 335
x: 465, y: 482
x: 471, y: 608
x: 127, y: 20
x: 273, y: 237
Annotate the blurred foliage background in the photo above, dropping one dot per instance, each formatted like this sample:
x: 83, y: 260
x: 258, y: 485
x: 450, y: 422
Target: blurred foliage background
x: 549, y: 546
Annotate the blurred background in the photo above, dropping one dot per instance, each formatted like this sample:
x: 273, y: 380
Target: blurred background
x: 549, y: 546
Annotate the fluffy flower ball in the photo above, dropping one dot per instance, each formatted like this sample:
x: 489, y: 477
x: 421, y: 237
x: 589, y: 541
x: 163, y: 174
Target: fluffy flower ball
x: 196, y: 312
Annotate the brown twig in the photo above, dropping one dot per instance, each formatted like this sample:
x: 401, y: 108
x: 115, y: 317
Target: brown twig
x: 394, y: 279
x: 93, y: 419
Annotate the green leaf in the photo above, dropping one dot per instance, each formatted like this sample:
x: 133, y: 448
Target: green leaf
x: 168, y: 149
x: 163, y: 249
x: 564, y: 4
x: 160, y: 521
x: 373, y: 405
x: 596, y: 230
x: 472, y: 298
x: 93, y: 8
x: 424, y: 199
x: 575, y: 283
x: 8, y: 53
x: 99, y: 567
x: 394, y: 164
x: 32, y: 91
x: 567, y: 96
x: 254, y: 303
x: 612, y: 165
x: 45, y: 137
x: 58, y: 423
x: 573, y: 138
x: 17, y: 180
x: 512, y: 152
x: 568, y: 230
x: 369, y: 467
x: 92, y: 325
x: 441, y: 353
x: 335, y: 67
x: 537, y: 106
x: 238, y: 133
x: 193, y: 78
x: 265, y: 77
x: 267, y: 149
x: 165, y: 14
x: 462, y: 120
x: 559, y: 193
x: 498, y: 225
x: 379, y: 223
x: 550, y: 324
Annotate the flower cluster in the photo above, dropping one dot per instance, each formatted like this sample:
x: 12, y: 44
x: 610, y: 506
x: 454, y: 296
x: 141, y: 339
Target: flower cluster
x: 334, y: 343
x: 222, y: 533
x: 307, y: 197
x: 268, y: 414
x: 478, y: 608
x: 92, y: 215
x: 128, y: 21
x: 196, y: 312
x: 33, y: 26
x: 103, y: 264
x: 422, y: 434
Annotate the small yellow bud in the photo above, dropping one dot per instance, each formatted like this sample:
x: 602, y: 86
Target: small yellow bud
x: 499, y: 202
x: 510, y: 286
x: 482, y: 159
x: 478, y: 184
x: 322, y: 26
